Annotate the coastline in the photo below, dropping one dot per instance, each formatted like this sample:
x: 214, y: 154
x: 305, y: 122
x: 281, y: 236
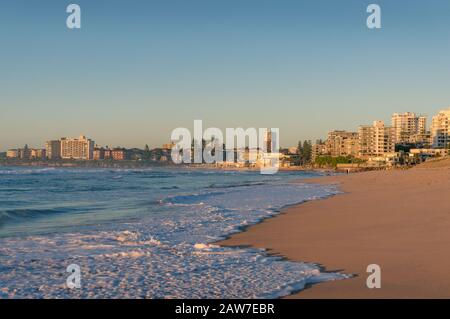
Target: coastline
x: 397, y: 219
x: 133, y: 164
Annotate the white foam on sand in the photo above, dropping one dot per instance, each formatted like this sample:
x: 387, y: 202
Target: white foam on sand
x: 166, y: 255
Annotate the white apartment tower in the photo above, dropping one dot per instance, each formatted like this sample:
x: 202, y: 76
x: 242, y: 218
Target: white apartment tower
x: 77, y: 148
x: 409, y: 127
x: 440, y: 129
x: 376, y: 139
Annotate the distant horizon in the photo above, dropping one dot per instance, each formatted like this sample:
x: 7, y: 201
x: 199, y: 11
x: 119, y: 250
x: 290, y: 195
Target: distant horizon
x: 112, y: 145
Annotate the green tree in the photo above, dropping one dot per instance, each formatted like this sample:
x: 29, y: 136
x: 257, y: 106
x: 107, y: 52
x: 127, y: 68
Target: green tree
x: 307, y: 152
x: 147, y: 154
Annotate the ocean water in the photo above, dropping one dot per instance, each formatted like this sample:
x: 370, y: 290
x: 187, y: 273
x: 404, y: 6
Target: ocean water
x: 145, y: 233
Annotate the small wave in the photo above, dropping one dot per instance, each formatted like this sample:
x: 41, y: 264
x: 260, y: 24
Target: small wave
x: 243, y: 184
x: 169, y: 187
x: 189, y: 199
x: 26, y: 171
x: 13, y: 215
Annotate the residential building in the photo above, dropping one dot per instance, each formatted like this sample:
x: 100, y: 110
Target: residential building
x: 53, y: 149
x: 318, y: 150
x: 119, y: 154
x: 99, y: 154
x: 376, y: 139
x: 24, y: 153
x: 12, y: 153
x: 267, y: 147
x: 107, y: 154
x: 38, y: 153
x: 433, y: 152
x: 77, y: 148
x: 342, y: 143
x: 409, y: 128
x: 440, y: 129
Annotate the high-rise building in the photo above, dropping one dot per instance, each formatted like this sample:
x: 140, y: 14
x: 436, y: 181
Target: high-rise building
x: 342, y: 143
x: 268, y: 141
x: 440, y: 129
x: 53, y: 149
x: 409, y: 127
x: 25, y: 152
x: 77, y: 148
x: 376, y: 139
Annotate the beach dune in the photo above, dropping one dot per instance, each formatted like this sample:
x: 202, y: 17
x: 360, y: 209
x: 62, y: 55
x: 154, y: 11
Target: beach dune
x: 399, y: 220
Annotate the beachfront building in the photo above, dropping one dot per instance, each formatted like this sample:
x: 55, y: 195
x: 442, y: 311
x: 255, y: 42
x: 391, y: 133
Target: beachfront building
x: 12, y: 153
x: 20, y: 153
x: 38, y: 153
x: 116, y: 154
x: 376, y: 140
x: 99, y: 154
x: 119, y: 154
x: 26, y: 153
x: 53, y: 149
x: 440, y: 129
x: 430, y: 152
x: 409, y: 128
x: 342, y: 143
x: 80, y: 148
x: 268, y: 141
x: 317, y: 150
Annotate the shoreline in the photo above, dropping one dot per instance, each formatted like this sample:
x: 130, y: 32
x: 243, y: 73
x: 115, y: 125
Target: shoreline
x: 397, y: 219
x: 128, y: 164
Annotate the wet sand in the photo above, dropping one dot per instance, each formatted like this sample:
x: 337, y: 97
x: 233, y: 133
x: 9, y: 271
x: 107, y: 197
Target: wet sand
x: 399, y: 220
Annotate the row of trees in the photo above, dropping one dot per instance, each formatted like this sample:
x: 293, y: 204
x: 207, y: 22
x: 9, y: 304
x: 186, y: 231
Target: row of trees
x: 333, y: 161
x: 304, y: 153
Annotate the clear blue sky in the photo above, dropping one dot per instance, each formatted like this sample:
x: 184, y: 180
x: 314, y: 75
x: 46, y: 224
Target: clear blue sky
x: 138, y: 69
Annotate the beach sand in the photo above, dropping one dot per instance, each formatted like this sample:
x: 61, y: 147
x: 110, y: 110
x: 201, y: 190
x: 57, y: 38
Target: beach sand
x: 397, y: 219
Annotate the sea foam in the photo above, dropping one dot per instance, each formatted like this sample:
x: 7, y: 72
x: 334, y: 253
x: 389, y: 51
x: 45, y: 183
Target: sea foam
x: 167, y: 248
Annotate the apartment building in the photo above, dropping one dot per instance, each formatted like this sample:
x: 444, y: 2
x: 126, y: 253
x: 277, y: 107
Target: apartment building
x: 77, y: 148
x: 99, y: 153
x: 318, y: 150
x: 12, y: 153
x: 409, y: 128
x: 25, y: 153
x: 119, y: 154
x: 376, y: 139
x: 342, y: 143
x: 53, y: 149
x: 268, y: 136
x: 440, y: 129
x: 38, y: 153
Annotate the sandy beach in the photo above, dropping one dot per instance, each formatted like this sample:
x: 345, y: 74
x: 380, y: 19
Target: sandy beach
x: 397, y: 219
